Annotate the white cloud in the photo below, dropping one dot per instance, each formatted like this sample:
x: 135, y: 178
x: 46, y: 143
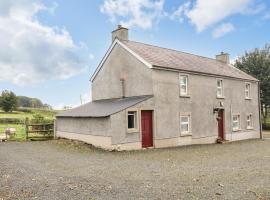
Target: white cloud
x: 181, y: 12
x: 222, y: 30
x: 32, y: 52
x: 206, y: 13
x: 134, y: 13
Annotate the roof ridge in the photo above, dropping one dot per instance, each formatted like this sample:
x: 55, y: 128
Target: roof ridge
x: 213, y: 59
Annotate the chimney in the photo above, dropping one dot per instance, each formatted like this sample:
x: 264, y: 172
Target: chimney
x: 223, y: 57
x: 120, y: 33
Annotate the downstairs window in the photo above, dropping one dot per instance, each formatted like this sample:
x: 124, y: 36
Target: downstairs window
x: 185, y: 124
x: 236, y: 122
x: 132, y: 120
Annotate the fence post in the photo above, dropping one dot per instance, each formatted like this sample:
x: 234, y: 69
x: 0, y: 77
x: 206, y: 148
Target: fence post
x: 26, y: 127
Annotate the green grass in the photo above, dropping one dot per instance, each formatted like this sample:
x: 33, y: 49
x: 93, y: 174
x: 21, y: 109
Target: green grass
x: 22, y: 115
x: 20, y: 129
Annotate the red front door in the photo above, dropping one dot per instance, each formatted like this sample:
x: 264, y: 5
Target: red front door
x: 221, y: 124
x: 147, y: 128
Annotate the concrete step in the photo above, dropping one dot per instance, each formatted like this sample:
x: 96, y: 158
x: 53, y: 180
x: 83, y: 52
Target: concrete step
x: 219, y: 141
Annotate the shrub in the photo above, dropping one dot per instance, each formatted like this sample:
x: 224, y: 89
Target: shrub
x: 40, y: 119
x: 266, y: 126
x: 25, y: 110
x: 37, y: 118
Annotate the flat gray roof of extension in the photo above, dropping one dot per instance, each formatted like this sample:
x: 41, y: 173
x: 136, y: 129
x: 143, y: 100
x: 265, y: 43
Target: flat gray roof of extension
x: 103, y: 108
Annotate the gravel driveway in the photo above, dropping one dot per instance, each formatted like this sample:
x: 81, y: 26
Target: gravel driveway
x: 67, y: 170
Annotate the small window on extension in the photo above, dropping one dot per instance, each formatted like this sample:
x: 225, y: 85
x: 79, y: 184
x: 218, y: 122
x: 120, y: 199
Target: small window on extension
x: 132, y: 119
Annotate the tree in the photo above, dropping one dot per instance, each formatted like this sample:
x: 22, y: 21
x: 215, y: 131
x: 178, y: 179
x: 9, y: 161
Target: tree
x: 8, y: 101
x: 28, y: 102
x: 257, y: 64
x: 36, y: 103
x: 24, y: 101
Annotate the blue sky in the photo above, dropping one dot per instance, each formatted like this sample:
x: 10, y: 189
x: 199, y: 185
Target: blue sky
x: 50, y: 48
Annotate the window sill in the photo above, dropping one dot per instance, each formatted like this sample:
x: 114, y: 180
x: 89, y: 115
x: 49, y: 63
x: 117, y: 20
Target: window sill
x: 248, y: 98
x: 220, y: 97
x: 237, y: 130
x: 250, y: 128
x: 185, y: 96
x: 133, y: 130
x: 185, y: 134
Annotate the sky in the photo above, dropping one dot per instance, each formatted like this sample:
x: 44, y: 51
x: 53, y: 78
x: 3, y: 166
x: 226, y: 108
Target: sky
x: 50, y: 48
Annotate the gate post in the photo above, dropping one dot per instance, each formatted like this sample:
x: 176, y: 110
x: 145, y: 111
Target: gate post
x: 26, y: 127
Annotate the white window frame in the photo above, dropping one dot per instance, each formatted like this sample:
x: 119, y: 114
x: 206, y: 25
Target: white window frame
x: 188, y: 123
x: 186, y: 94
x: 247, y: 90
x: 239, y: 122
x: 250, y: 120
x: 136, y: 128
x: 221, y: 87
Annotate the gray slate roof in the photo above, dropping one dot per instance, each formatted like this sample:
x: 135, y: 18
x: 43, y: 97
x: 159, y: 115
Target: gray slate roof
x: 172, y: 59
x: 103, y: 108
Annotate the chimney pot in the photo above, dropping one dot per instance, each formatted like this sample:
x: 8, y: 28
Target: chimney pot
x: 120, y: 33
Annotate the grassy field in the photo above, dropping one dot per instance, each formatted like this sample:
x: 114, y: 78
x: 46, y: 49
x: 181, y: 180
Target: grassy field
x: 20, y: 131
x: 49, y: 114
x: 24, y: 113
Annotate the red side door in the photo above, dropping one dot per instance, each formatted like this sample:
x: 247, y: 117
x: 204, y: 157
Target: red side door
x: 221, y: 124
x: 147, y: 128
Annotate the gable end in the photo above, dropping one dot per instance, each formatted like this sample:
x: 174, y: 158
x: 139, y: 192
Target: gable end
x: 117, y: 41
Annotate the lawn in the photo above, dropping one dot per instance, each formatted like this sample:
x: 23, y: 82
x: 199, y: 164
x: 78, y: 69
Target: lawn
x: 22, y: 114
x: 20, y: 131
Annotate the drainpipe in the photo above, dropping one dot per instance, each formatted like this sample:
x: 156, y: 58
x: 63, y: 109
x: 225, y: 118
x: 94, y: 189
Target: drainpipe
x: 259, y: 106
x: 231, y: 119
x: 123, y: 87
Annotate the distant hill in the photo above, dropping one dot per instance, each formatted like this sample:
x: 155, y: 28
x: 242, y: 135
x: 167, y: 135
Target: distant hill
x: 28, y: 102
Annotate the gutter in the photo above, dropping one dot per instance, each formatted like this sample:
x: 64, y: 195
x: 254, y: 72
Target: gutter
x: 202, y: 73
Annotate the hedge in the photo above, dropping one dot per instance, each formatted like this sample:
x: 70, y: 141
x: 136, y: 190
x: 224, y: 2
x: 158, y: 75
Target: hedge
x: 11, y: 121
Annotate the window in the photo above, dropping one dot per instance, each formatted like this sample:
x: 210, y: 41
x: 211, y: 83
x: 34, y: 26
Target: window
x: 132, y: 120
x: 236, y: 122
x: 183, y: 85
x: 249, y: 121
x: 219, y: 88
x: 185, y: 124
x: 247, y: 91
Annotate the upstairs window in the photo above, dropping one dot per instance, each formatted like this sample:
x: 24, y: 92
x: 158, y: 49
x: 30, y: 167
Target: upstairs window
x: 185, y: 124
x: 183, y: 85
x: 249, y: 121
x: 236, y: 122
x: 132, y: 120
x: 247, y: 91
x: 219, y: 88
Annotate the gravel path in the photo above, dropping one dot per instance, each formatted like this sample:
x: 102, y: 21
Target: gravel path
x: 64, y: 170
